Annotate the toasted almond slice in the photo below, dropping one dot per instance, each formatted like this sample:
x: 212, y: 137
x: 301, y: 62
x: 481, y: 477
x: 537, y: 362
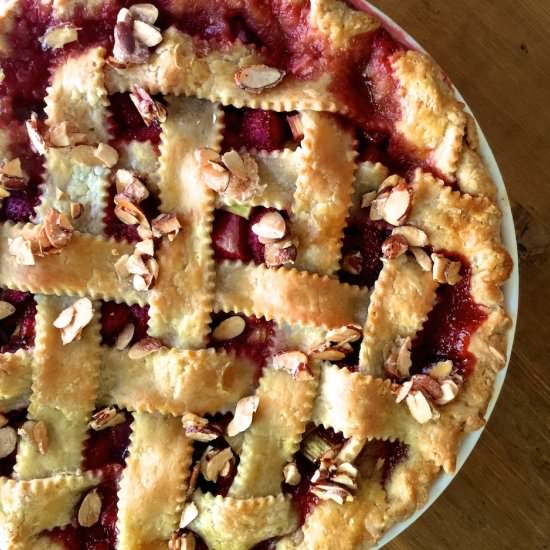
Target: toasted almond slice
x: 452, y: 273
x: 57, y: 230
x: 215, y: 176
x: 270, y: 226
x: 106, y: 418
x: 65, y: 318
x: 189, y: 513
x: 198, y: 428
x: 291, y: 474
x: 78, y: 316
x: 149, y: 109
x: 314, y: 447
x: 147, y: 34
x: 130, y: 186
x: 293, y: 362
x: 440, y: 264
x: 90, y: 509
x: 427, y: 385
x: 129, y: 213
x: 441, y: 370
x: 244, y: 413
x: 121, y: 266
x: 22, y: 250
x: 398, y: 361
x: 166, y: 225
x: 394, y: 246
x: 36, y: 433
x: 389, y: 183
x: 205, y: 154
x: 243, y: 189
x: 257, y: 78
x: 419, y: 407
x: 214, y: 462
x: 368, y: 198
x: 413, y: 235
x: 6, y: 309
x: 329, y: 491
x: 449, y: 391
x: 58, y: 135
x: 146, y: 247
x: 58, y: 36
x: 37, y: 141
x: 276, y: 256
x: 295, y: 123
x: 422, y: 258
x: 229, y: 328
x: 12, y: 168
x: 234, y: 163
x: 397, y: 205
x: 404, y: 391
x: 148, y: 13
x: 144, y: 347
x: 377, y: 206
x: 8, y: 441
x: 125, y: 337
x: 330, y: 354
x: 106, y: 154
x: 345, y: 334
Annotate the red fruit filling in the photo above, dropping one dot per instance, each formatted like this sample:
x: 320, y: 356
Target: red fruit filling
x: 450, y: 325
x: 17, y: 330
x: 255, y: 129
x: 127, y: 123
x: 254, y: 343
x: 114, y: 317
x: 233, y: 238
x: 15, y: 418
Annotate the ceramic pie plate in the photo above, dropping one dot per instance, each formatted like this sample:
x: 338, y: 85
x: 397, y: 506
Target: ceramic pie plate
x: 510, y: 288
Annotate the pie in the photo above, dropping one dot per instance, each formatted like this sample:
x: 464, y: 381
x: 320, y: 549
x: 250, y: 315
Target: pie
x: 250, y: 275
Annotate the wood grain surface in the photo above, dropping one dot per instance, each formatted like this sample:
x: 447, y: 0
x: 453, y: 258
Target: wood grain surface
x: 497, y: 52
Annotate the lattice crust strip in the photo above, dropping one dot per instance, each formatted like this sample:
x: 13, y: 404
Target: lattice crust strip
x: 323, y: 192
x: 319, y: 301
x: 283, y: 411
x: 403, y: 296
x: 66, y: 273
x: 156, y: 473
x: 234, y: 524
x: 15, y: 378
x: 178, y: 315
x: 171, y: 382
x: 61, y: 398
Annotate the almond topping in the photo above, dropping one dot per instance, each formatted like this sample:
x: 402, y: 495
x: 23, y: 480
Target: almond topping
x: 394, y: 246
x: 243, y: 189
x: 427, y: 385
x: 293, y: 362
x: 6, y: 309
x: 126, y: 49
x: 449, y: 390
x: 445, y: 271
x: 377, y: 207
x: 144, y: 347
x: 353, y: 263
x: 56, y: 37
x: 404, y: 390
x: 229, y: 328
x: 329, y: 491
x: 291, y: 474
x: 58, y: 135
x: 8, y: 441
x: 398, y: 361
x: 37, y: 141
x: 442, y: 369
x: 215, y: 462
x: 198, y: 428
x: 330, y: 354
x: 315, y: 447
x: 244, y: 412
x: 72, y: 320
x: 295, y: 123
x: 275, y: 255
x: 130, y: 186
x: 90, y: 509
x: 397, y: 205
x: 422, y: 258
x: 413, y: 235
x: 419, y: 407
x: 149, y: 109
x: 36, y: 433
x: 215, y: 176
x: 257, y: 78
x: 106, y: 154
x: 53, y: 234
x: 22, y: 250
x: 270, y: 226
x: 204, y: 155
x: 129, y: 213
x: 147, y: 34
x: 145, y: 248
x: 76, y: 209
x: 125, y: 337
x: 345, y: 334
x: 166, y: 224
x: 189, y: 513
x: 12, y: 177
x: 234, y: 163
x: 106, y: 418
x: 148, y: 13
x: 367, y: 199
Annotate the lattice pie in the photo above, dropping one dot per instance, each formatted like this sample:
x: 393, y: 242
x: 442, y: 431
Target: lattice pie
x: 250, y: 275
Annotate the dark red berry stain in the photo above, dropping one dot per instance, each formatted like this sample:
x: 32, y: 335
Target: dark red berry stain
x: 114, y: 317
x: 15, y: 419
x: 17, y: 330
x: 450, y: 325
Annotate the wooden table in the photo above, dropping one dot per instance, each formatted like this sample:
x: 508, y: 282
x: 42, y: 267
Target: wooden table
x: 497, y: 53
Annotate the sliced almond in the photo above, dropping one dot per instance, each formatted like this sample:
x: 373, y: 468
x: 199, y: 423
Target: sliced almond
x: 398, y: 361
x: 215, y: 176
x: 106, y: 418
x: 404, y: 391
x: 145, y: 247
x: 449, y: 391
x: 148, y: 13
x: 166, y: 225
x: 8, y: 441
x: 90, y: 509
x: 244, y: 413
x: 121, y: 266
x: 188, y: 514
x: 149, y: 109
x: 413, y: 235
x: 441, y: 369
x: 198, y: 428
x: 37, y: 141
x: 257, y: 78
x: 293, y: 362
x: 76, y: 210
x: 128, y: 213
x: 72, y: 320
x: 330, y: 491
x: 291, y: 474
x: 397, y: 205
x: 353, y: 263
x: 229, y: 328
x: 144, y: 347
x: 58, y: 36
x: 53, y: 234
x: 205, y: 154
x: 12, y: 169
x: 296, y: 127
x: 107, y: 155
x: 234, y: 163
x: 214, y: 462
x: 6, y: 309
x: 367, y: 199
x: 427, y: 385
x: 445, y: 271
x: 394, y: 246
x: 127, y: 49
x: 147, y: 34
x: 315, y: 447
x: 58, y: 135
x: 452, y: 273
x: 419, y: 407
x: 377, y: 207
x: 125, y: 337
x: 422, y: 258
x: 130, y: 186
x: 345, y: 334
x: 270, y: 226
x: 275, y: 255
x: 329, y: 354
x: 22, y: 250
x: 36, y: 433
x: 243, y: 189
